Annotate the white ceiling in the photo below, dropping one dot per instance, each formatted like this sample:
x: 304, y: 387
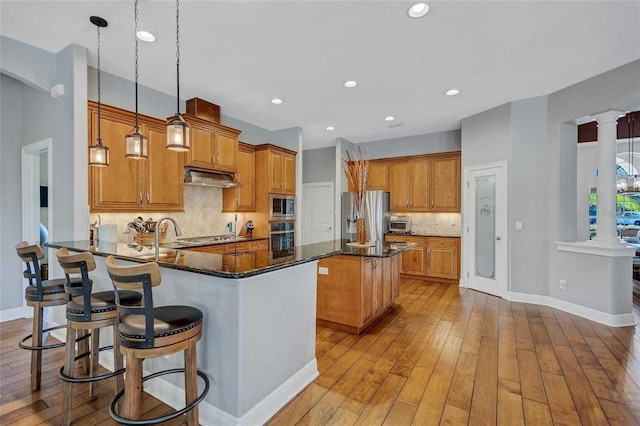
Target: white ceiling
x: 241, y: 54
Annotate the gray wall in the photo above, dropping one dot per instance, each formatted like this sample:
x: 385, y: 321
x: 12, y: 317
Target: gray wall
x: 10, y: 193
x: 319, y: 165
x: 413, y: 145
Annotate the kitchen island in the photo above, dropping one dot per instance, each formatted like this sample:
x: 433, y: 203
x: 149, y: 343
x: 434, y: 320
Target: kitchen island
x: 258, y: 343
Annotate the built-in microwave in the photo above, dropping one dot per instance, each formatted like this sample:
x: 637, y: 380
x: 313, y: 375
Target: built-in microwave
x: 282, y: 207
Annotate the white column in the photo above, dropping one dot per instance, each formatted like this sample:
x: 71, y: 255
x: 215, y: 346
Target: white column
x: 606, y: 233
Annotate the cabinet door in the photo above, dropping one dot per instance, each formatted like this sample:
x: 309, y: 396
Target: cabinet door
x: 378, y: 176
x: 395, y: 277
x: 445, y: 184
x: 399, y: 185
x: 243, y: 198
x: 414, y: 260
x: 117, y: 187
x: 276, y: 160
x: 164, y: 168
x: 260, y: 245
x: 378, y: 286
x: 201, y: 153
x: 419, y: 177
x: 443, y: 258
x: 289, y: 174
x: 225, y: 151
x: 386, y: 281
x: 235, y: 247
x: 367, y: 287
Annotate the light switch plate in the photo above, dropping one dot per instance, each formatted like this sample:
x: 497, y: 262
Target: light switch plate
x: 518, y: 225
x: 322, y: 270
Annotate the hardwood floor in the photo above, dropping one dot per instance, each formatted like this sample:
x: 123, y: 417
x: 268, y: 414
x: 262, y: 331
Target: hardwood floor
x: 444, y: 355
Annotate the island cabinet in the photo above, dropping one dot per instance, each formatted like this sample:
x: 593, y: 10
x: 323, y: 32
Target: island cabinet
x: 425, y: 183
x: 256, y: 246
x: 154, y: 184
x: 213, y: 146
x: 354, y: 291
x: 243, y: 198
x: 277, y: 167
x: 433, y: 258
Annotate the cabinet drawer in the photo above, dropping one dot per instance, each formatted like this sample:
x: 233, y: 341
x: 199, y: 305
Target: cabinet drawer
x: 261, y: 245
x: 443, y: 242
x: 231, y: 247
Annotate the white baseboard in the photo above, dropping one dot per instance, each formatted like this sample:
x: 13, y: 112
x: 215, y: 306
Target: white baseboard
x: 619, y: 320
x: 15, y: 313
x: 463, y: 283
x: 209, y: 415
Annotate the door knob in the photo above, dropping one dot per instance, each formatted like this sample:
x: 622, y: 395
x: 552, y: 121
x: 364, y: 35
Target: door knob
x: 498, y: 238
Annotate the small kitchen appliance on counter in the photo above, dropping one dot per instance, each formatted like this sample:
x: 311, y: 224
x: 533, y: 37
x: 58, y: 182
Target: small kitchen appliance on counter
x: 400, y: 224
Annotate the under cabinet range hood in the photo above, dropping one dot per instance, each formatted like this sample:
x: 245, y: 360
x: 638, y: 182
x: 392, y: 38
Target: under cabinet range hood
x: 218, y: 180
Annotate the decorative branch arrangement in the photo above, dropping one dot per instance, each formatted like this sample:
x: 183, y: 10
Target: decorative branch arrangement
x: 357, y: 171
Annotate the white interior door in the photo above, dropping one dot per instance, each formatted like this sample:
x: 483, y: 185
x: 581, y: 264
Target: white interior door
x: 486, y: 228
x: 319, y: 212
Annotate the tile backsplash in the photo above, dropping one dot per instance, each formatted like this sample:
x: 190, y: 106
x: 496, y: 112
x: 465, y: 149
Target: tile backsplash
x: 436, y: 223
x: 202, y: 215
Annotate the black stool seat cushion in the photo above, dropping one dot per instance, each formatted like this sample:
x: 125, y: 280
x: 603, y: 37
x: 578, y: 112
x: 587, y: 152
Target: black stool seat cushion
x: 49, y: 287
x: 167, y: 321
x: 103, y: 301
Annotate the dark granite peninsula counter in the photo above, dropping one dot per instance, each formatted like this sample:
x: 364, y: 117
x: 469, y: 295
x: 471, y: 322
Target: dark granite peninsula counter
x: 258, y: 341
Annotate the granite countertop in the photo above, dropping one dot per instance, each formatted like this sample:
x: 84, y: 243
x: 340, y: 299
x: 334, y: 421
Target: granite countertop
x: 230, y: 265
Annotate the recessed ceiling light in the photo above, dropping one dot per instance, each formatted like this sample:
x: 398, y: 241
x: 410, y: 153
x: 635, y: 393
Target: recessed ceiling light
x: 389, y: 118
x: 350, y: 83
x: 452, y: 92
x: 276, y: 101
x: 418, y: 10
x: 145, y: 36
x: 331, y: 128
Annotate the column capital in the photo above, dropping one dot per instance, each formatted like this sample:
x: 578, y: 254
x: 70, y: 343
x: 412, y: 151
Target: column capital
x: 608, y: 116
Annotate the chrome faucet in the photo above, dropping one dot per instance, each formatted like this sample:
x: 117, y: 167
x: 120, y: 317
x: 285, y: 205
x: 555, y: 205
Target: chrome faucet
x: 157, y: 233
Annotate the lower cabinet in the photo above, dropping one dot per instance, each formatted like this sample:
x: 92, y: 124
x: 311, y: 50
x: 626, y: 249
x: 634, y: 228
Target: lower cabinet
x: 244, y: 246
x: 433, y: 258
x: 354, y: 292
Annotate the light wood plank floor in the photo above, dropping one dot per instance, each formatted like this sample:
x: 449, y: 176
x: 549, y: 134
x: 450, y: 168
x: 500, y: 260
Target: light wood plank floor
x: 444, y: 355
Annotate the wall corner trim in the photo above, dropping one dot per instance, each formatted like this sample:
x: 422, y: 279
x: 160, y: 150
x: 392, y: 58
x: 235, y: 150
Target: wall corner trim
x: 611, y: 320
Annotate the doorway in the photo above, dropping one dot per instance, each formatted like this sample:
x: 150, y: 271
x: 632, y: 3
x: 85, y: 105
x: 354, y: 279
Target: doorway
x: 37, y: 217
x: 486, y: 219
x: 319, y: 212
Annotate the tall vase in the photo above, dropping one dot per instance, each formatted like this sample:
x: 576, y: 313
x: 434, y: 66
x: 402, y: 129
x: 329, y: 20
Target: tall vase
x: 361, y: 231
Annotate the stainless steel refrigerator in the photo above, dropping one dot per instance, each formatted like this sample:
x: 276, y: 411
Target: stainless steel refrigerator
x: 376, y: 216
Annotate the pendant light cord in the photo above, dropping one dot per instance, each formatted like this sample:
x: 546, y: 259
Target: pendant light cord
x: 135, y: 34
x: 178, y: 56
x: 99, y: 133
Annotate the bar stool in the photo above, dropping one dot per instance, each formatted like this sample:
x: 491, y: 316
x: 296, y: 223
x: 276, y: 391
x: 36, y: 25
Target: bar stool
x: 150, y: 332
x: 39, y: 294
x: 87, y: 311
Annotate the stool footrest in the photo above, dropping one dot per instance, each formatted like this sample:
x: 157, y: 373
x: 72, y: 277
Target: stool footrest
x: 70, y: 379
x: 44, y: 347
x: 115, y: 416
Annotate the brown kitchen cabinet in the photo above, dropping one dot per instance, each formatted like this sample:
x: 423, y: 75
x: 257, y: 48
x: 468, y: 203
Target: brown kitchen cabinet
x: 278, y: 167
x: 259, y: 245
x: 356, y: 291
x: 378, y: 175
x: 243, y: 198
x: 154, y: 184
x: 434, y: 258
x: 426, y: 183
x: 213, y: 146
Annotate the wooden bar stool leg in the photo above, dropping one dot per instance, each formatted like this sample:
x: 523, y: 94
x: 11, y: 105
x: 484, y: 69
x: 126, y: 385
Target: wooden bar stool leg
x: 191, y: 382
x: 132, y: 387
x: 83, y: 347
x: 36, y: 355
x: 117, y: 358
x: 95, y: 357
x: 68, y: 370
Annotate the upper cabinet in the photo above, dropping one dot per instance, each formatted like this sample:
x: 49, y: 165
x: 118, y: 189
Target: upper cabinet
x: 277, y: 166
x: 243, y: 198
x: 428, y: 183
x: 154, y: 184
x: 378, y: 175
x: 213, y: 146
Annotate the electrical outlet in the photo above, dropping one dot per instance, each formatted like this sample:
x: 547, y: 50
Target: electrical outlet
x: 563, y: 284
x: 452, y: 222
x: 323, y: 270
x: 437, y: 221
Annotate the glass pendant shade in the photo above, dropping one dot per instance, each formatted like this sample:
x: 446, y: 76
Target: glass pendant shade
x: 177, y: 134
x: 99, y: 155
x: 135, y: 145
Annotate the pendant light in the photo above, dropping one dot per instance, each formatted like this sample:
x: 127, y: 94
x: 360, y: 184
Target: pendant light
x: 98, y: 153
x: 136, y: 142
x: 177, y: 127
x: 630, y: 183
